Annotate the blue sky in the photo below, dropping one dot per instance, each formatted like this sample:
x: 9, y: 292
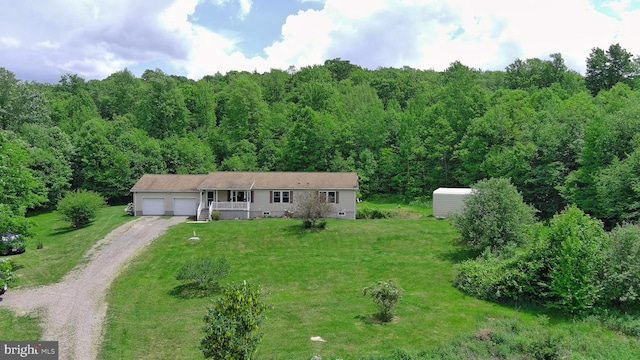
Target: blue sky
x: 42, y: 40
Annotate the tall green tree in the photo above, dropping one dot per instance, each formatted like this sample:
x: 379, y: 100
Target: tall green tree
x: 607, y: 68
x: 162, y: 111
x: 100, y: 165
x: 309, y: 143
x: 19, y: 189
x: 535, y: 73
x: 575, y: 259
x: 187, y: 155
x: 52, y: 152
x: 244, y: 110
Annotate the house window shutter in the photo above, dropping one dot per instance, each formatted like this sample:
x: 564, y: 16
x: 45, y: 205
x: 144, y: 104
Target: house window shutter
x: 291, y: 197
x: 337, y: 197
x: 270, y: 197
x: 251, y: 196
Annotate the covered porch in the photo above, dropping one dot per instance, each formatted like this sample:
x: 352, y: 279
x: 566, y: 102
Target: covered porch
x: 232, y: 203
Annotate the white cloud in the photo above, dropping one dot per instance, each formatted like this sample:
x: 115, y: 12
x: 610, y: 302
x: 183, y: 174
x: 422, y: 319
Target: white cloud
x: 490, y: 35
x: 9, y: 42
x: 94, y: 39
x: 244, y: 5
x: 48, y: 44
x: 245, y: 8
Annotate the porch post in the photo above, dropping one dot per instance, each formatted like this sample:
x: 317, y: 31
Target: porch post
x: 248, y: 197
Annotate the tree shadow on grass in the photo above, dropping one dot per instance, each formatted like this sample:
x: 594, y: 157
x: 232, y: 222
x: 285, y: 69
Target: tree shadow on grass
x: 299, y: 231
x: 374, y: 319
x: 63, y: 230
x: 193, y: 291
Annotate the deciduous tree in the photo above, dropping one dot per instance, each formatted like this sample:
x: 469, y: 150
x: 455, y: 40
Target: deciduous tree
x: 232, y: 324
x: 494, y: 216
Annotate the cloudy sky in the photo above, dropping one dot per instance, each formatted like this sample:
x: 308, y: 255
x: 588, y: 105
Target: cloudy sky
x: 43, y: 39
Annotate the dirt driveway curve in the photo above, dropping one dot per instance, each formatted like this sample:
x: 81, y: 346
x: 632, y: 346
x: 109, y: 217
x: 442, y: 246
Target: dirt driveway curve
x: 75, y: 308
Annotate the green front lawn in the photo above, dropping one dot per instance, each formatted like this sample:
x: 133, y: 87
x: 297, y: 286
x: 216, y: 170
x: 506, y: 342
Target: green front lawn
x: 314, y: 282
x: 63, y: 246
x: 63, y: 249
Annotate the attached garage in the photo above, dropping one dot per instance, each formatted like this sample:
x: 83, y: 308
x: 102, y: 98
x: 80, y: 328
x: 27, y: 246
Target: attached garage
x: 185, y: 206
x: 448, y: 200
x: 152, y: 206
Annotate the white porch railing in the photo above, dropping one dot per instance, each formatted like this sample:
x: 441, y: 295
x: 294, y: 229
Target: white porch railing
x: 199, y: 211
x: 217, y: 205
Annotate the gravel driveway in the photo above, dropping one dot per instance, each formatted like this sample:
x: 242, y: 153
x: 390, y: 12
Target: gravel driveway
x: 73, y: 310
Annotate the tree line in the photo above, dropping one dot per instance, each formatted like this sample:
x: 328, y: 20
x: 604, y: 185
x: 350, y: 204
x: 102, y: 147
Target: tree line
x: 559, y: 136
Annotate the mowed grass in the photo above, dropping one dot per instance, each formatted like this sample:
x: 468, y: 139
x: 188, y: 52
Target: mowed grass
x: 19, y: 328
x: 63, y: 249
x: 63, y: 246
x: 312, y: 279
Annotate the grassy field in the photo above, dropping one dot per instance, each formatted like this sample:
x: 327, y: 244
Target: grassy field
x: 63, y: 248
x: 313, y: 280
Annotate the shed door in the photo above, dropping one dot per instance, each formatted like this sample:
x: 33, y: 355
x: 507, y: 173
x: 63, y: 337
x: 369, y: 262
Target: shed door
x: 153, y: 206
x: 185, y: 206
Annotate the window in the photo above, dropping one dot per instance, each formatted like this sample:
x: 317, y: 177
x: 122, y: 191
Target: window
x: 330, y: 196
x: 281, y: 197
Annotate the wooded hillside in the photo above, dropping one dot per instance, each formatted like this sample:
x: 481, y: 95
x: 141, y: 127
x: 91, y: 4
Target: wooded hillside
x: 561, y: 137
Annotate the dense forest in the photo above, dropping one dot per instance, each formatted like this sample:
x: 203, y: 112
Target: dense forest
x: 560, y: 137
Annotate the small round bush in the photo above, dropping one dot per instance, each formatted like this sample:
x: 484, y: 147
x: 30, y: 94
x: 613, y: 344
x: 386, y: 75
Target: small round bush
x: 80, y: 207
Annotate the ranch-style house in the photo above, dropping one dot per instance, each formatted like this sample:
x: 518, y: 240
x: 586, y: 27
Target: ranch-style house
x: 241, y: 195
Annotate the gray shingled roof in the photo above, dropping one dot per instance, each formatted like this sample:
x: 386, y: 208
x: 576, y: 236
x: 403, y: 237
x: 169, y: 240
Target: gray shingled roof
x: 168, y: 182
x: 241, y: 180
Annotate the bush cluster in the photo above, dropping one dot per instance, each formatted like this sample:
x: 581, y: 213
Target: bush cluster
x: 372, y: 213
x: 494, y: 216
x: 6, y: 272
x: 571, y: 264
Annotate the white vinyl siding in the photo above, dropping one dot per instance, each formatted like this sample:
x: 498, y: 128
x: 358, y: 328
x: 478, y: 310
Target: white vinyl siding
x: 448, y: 200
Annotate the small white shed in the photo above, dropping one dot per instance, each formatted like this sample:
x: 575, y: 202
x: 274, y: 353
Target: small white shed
x: 448, y: 200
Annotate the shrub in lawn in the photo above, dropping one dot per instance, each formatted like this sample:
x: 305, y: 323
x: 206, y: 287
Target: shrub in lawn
x: 216, y: 215
x: 493, y: 216
x: 386, y: 295
x: 80, y: 207
x: 205, y: 273
x: 312, y: 207
x: 232, y: 323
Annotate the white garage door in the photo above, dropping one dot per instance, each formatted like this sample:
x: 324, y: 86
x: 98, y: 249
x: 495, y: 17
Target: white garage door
x: 152, y: 206
x: 185, y: 206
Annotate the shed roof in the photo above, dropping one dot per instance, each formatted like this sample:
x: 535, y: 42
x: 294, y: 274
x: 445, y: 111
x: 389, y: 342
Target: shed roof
x: 241, y: 180
x: 456, y: 191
